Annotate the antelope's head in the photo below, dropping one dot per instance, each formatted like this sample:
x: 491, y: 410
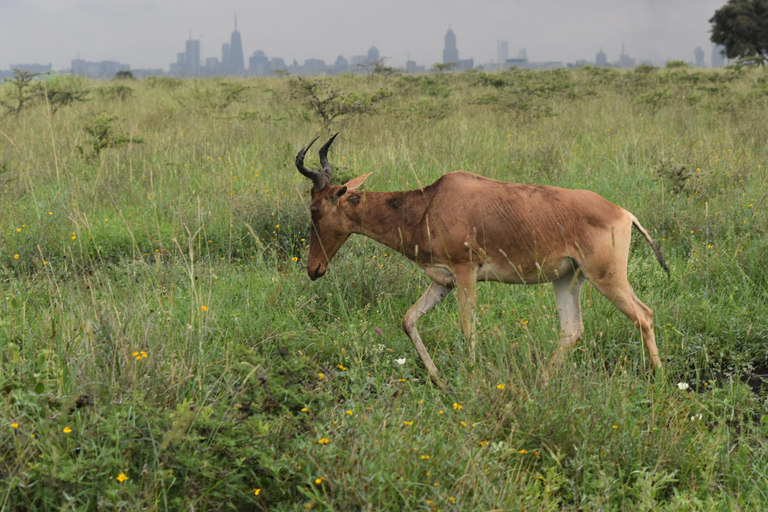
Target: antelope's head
x: 330, y: 225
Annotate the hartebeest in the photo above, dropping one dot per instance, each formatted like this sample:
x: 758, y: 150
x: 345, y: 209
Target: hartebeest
x: 465, y: 228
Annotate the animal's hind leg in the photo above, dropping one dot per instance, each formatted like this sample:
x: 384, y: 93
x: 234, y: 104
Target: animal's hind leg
x: 620, y: 293
x: 432, y: 297
x: 568, y: 295
x: 466, y: 287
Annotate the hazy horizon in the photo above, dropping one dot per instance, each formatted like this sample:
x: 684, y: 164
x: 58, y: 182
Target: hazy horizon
x: 149, y: 33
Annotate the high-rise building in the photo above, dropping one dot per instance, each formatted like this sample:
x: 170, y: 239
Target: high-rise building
x: 314, y: 66
x: 278, y: 63
x: 718, y: 56
x: 211, y: 65
x: 601, y: 59
x: 450, y: 52
x: 699, y: 54
x: 236, y: 64
x: 259, y: 64
x: 625, y: 61
x: 191, y: 63
x: 502, y: 51
x: 373, y: 54
x: 225, y: 55
x: 341, y: 65
x: 103, y: 69
x: 32, y: 68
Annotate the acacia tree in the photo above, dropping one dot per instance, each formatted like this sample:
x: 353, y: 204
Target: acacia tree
x: 741, y: 26
x: 21, y: 81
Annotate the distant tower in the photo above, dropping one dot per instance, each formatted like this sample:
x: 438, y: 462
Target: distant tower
x: 259, y: 64
x: 502, y: 51
x: 625, y: 61
x: 373, y: 54
x: 236, y: 59
x: 600, y: 59
x: 341, y: 64
x: 699, y: 54
x: 192, y: 58
x: 225, y: 56
x: 450, y: 52
x: 718, y: 59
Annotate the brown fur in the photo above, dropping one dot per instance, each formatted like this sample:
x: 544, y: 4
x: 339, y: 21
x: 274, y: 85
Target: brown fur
x: 466, y: 228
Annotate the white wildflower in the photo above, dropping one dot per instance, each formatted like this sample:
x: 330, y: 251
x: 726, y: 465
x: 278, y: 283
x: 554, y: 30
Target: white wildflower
x: 682, y: 386
x: 400, y: 361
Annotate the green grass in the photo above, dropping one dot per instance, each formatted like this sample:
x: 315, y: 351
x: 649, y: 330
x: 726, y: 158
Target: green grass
x: 184, y: 237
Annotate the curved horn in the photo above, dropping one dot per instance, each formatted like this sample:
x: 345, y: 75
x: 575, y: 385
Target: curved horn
x: 327, y: 169
x: 317, y: 177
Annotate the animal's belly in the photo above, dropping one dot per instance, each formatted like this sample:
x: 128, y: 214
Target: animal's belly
x: 506, y: 272
x: 532, y: 273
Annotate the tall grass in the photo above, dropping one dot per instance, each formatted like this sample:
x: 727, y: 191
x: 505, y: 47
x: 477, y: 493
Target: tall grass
x: 163, y: 348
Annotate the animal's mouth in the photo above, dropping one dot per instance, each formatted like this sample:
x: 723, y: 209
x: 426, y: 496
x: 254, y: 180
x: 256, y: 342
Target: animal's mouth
x: 318, y: 273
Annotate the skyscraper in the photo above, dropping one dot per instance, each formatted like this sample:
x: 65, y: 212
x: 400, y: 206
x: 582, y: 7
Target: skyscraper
x: 600, y: 58
x: 450, y: 52
x: 625, y: 61
x: 718, y: 58
x: 225, y: 55
x: 236, y: 64
x: 192, y: 58
x: 502, y: 51
x: 373, y: 54
x: 699, y: 54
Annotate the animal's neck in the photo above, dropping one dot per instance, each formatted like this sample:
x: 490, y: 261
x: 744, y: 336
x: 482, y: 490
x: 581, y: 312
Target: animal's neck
x: 391, y: 218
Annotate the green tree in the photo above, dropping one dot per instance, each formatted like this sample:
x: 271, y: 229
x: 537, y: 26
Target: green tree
x: 21, y: 95
x: 440, y: 67
x: 741, y: 26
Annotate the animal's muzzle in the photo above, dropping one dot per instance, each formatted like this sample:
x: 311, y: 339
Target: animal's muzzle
x: 317, y: 273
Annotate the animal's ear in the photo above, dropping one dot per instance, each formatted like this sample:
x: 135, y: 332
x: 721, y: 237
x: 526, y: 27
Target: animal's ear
x: 355, y: 183
x: 339, y: 192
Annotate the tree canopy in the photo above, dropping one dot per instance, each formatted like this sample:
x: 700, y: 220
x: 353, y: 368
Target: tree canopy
x: 741, y: 26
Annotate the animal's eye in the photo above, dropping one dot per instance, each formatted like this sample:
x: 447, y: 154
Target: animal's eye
x: 313, y: 211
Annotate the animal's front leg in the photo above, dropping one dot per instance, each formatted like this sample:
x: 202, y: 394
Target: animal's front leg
x: 466, y: 287
x: 431, y: 298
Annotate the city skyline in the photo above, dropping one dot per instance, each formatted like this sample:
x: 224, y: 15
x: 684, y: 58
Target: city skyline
x: 149, y: 34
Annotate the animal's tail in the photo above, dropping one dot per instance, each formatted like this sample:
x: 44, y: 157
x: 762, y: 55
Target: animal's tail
x: 653, y: 244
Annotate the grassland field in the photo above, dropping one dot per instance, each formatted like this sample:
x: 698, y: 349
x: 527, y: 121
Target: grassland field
x: 163, y: 348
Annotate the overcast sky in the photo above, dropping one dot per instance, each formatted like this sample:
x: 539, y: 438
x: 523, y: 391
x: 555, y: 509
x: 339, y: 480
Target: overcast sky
x: 149, y: 33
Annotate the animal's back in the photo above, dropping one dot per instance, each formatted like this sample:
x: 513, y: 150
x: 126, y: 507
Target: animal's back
x: 468, y: 201
x: 519, y: 231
